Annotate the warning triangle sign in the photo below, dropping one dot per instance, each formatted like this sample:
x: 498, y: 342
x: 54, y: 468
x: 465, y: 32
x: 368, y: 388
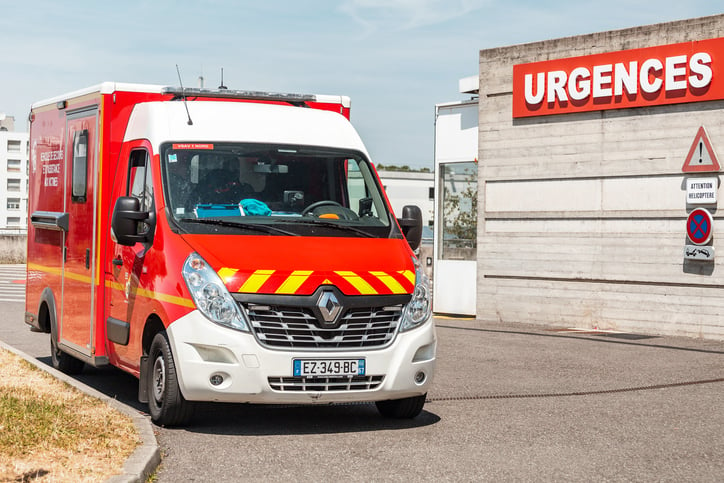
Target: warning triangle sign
x: 701, y: 157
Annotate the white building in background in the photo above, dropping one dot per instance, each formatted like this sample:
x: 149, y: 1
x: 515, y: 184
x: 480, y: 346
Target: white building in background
x: 456, y: 181
x: 410, y: 188
x: 14, y: 151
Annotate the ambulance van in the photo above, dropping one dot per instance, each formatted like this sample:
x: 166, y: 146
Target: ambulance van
x: 223, y: 245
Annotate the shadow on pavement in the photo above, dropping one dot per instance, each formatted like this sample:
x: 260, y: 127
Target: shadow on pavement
x: 254, y: 419
x: 111, y: 381
x: 264, y: 420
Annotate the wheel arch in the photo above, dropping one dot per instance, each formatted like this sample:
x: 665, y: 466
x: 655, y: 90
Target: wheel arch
x: 47, y: 310
x: 153, y: 326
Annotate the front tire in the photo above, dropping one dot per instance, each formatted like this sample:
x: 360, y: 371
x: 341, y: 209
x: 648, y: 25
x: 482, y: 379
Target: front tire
x: 406, y: 408
x: 166, y: 404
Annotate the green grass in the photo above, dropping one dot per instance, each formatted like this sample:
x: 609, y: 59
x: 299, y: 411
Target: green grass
x: 49, y: 431
x: 28, y: 423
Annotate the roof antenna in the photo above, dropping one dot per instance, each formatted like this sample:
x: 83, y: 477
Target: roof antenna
x: 222, y: 86
x: 183, y: 96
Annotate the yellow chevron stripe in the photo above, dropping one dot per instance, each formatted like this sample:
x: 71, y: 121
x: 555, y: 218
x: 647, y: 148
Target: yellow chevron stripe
x: 257, y: 279
x: 226, y: 273
x: 391, y: 283
x: 294, y: 281
x: 409, y: 275
x: 357, y: 282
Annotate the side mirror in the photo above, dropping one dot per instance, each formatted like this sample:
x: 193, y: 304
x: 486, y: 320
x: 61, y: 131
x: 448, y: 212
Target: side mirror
x: 124, y: 223
x: 411, y: 224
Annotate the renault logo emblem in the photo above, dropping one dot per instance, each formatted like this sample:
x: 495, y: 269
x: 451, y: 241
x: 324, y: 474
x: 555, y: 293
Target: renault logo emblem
x: 329, y: 307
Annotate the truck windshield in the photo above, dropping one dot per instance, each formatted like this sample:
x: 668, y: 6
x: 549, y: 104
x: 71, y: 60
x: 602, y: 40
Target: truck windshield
x: 236, y: 188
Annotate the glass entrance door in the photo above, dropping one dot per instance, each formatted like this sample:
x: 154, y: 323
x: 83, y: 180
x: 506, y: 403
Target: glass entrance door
x: 455, y: 273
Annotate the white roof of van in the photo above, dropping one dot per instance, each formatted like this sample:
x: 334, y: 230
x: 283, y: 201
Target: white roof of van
x: 103, y: 88
x: 111, y: 87
x: 167, y: 121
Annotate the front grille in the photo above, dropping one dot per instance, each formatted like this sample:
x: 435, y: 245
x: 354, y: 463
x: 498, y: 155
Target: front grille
x: 325, y: 384
x: 297, y: 327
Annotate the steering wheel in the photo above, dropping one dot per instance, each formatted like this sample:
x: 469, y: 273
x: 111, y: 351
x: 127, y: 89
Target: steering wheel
x: 317, y: 204
x: 337, y: 209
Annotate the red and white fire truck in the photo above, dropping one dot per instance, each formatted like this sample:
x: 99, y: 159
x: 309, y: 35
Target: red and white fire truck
x: 223, y: 245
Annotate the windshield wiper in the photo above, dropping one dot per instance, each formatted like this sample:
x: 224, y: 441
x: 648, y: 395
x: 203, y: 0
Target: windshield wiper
x: 330, y: 224
x: 236, y: 224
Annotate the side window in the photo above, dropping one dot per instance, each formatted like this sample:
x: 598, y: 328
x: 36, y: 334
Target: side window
x: 363, y: 197
x: 80, y: 166
x: 139, y: 181
x: 356, y: 189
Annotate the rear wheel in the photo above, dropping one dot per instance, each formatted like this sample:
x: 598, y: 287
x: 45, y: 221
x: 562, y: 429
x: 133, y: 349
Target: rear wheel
x: 62, y: 361
x: 406, y: 408
x: 166, y: 404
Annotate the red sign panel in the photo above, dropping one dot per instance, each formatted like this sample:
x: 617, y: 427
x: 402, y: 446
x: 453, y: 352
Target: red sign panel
x: 668, y: 74
x: 699, y: 226
x: 193, y: 146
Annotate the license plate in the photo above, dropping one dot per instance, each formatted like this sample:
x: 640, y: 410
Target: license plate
x: 328, y: 367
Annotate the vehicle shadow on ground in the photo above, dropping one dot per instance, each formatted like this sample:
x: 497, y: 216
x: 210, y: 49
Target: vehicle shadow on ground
x: 265, y: 420
x: 254, y: 419
x: 110, y: 381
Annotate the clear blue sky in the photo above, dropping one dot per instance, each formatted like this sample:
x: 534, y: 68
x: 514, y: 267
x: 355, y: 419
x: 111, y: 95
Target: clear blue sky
x: 395, y: 58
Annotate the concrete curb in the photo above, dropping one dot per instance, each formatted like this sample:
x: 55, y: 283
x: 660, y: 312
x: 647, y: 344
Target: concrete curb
x: 145, y: 458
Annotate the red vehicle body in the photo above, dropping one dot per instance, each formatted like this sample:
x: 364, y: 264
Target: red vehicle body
x: 195, y: 297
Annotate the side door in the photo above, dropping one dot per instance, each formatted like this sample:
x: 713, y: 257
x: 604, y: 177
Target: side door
x: 77, y: 322
x: 127, y: 302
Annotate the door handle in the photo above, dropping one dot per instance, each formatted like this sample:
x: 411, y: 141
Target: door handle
x: 117, y: 262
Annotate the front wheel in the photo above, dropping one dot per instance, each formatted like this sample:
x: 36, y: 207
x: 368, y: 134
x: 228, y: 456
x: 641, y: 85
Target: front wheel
x: 406, y: 408
x: 166, y: 404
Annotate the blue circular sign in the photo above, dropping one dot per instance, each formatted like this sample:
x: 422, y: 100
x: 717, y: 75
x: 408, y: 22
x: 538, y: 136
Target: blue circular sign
x: 699, y: 226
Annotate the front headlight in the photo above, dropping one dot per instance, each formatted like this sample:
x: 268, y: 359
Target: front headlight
x: 210, y: 294
x: 419, y: 308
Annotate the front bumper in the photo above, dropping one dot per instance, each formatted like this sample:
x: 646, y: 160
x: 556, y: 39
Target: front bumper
x: 202, y: 349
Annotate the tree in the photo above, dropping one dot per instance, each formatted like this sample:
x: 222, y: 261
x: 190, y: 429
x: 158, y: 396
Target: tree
x: 460, y: 209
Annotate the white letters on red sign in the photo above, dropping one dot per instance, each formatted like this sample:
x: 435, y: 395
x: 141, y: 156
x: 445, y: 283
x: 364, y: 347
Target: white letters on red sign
x: 676, y: 73
x: 688, y: 72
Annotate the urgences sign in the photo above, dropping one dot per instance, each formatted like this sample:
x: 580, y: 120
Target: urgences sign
x: 669, y: 74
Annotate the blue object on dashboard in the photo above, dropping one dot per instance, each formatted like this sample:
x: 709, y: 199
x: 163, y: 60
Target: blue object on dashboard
x: 252, y: 207
x: 213, y: 210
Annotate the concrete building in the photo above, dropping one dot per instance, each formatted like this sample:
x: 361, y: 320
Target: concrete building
x: 14, y: 151
x: 591, y: 157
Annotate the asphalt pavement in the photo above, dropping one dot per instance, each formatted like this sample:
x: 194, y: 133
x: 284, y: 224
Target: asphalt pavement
x: 510, y: 402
